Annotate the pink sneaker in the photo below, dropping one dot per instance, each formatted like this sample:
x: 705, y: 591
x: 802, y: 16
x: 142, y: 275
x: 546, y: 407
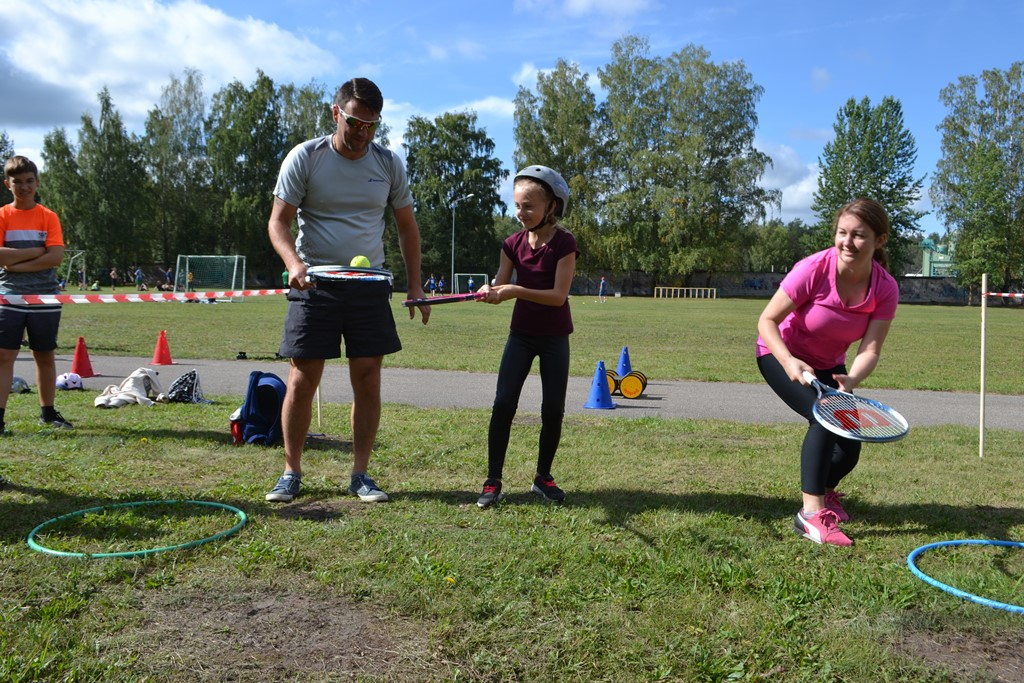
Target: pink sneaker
x: 822, y: 527
x: 833, y: 504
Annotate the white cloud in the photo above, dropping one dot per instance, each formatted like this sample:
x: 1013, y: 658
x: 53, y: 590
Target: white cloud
x: 133, y: 48
x: 497, y: 106
x: 797, y: 179
x: 580, y: 8
x: 618, y: 8
x: 821, y: 79
x: 526, y: 76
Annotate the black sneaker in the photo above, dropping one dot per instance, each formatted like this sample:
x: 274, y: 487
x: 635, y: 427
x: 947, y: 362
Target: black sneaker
x: 546, y: 488
x: 491, y: 494
x: 56, y: 421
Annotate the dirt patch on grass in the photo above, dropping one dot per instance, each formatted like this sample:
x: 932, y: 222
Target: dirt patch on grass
x: 272, y: 636
x: 321, y: 510
x: 999, y: 659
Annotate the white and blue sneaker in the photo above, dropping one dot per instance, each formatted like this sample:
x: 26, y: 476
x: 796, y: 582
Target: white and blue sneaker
x: 286, y: 489
x: 366, y: 489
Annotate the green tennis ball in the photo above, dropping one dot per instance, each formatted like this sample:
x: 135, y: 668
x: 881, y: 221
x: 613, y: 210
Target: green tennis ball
x: 360, y: 262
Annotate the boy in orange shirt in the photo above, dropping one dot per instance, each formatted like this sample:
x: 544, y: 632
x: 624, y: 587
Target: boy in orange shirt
x: 31, y: 247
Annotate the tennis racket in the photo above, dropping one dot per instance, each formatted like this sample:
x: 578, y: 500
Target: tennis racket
x: 446, y: 299
x: 345, y: 273
x: 856, y: 417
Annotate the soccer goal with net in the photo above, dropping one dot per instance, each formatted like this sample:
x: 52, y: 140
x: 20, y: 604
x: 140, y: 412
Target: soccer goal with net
x: 208, y: 273
x: 467, y: 282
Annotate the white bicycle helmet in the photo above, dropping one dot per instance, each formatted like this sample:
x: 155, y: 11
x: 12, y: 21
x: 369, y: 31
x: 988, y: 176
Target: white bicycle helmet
x: 554, y: 181
x: 69, y: 380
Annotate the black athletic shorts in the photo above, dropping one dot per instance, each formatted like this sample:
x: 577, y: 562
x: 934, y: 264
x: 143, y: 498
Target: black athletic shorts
x: 357, y: 311
x: 40, y: 322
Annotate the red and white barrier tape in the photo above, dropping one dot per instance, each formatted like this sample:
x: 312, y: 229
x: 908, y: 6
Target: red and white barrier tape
x: 1010, y: 295
x: 22, y: 299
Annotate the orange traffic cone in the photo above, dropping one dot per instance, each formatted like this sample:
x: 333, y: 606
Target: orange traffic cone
x: 80, y: 364
x: 161, y: 354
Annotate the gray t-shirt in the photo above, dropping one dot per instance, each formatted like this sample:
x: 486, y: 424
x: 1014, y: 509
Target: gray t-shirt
x: 341, y: 201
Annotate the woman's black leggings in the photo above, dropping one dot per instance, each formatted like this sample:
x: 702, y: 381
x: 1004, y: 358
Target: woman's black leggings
x: 824, y: 457
x: 520, y: 350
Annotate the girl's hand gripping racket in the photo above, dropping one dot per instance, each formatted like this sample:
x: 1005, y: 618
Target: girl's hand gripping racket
x: 346, y: 273
x: 446, y: 299
x: 855, y: 417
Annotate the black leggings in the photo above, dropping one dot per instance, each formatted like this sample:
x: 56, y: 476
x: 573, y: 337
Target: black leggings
x: 824, y: 457
x: 520, y: 350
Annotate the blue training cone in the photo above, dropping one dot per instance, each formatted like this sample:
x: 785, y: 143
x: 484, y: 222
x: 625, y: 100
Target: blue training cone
x: 600, y: 396
x: 624, y: 367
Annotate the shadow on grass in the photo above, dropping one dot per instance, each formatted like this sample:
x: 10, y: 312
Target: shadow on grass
x: 868, y: 520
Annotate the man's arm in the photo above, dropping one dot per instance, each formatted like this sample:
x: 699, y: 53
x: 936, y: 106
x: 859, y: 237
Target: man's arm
x: 280, y: 229
x: 409, y: 243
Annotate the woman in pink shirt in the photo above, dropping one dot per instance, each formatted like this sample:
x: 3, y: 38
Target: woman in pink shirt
x: 828, y: 301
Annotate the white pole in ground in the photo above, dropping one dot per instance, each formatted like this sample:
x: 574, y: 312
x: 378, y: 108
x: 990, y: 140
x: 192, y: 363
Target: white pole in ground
x: 981, y: 416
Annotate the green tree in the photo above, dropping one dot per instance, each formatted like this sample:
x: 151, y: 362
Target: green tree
x: 683, y: 178
x: 6, y: 152
x: 305, y: 113
x: 777, y: 246
x: 978, y: 186
x: 447, y: 160
x: 247, y: 142
x: 558, y: 126
x: 872, y: 155
x: 179, y: 170
x: 635, y: 111
x: 109, y: 210
x: 62, y: 184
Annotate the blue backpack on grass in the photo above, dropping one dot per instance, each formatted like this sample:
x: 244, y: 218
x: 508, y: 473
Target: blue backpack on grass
x: 258, y: 420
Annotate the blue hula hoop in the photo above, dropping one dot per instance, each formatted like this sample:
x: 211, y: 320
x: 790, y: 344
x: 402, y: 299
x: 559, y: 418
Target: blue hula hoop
x: 956, y: 591
x: 138, y: 553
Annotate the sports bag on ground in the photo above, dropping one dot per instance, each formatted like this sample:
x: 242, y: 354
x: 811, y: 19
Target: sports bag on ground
x: 258, y: 420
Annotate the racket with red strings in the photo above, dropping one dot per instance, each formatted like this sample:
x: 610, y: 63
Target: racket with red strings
x: 855, y: 417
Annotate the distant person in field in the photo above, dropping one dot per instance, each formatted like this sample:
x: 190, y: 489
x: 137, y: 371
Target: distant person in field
x: 113, y: 279
x: 138, y: 278
x: 431, y: 284
x: 828, y: 301
x: 168, y: 278
x: 338, y: 187
x: 440, y: 285
x: 81, y: 278
x: 602, y: 290
x: 543, y: 257
x: 31, y: 248
x: 470, y: 283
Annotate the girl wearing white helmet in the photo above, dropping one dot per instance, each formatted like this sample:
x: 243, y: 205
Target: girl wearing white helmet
x: 543, y: 258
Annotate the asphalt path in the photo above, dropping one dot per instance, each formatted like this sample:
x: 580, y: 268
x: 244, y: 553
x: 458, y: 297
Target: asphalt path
x: 750, y: 403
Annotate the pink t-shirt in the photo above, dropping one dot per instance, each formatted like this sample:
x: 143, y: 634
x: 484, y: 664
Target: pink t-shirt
x: 822, y: 328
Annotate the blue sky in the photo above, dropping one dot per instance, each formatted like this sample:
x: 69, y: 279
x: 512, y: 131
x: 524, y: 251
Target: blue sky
x: 433, y: 56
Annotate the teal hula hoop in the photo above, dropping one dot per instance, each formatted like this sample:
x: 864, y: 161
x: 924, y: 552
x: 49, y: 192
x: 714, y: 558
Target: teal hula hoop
x: 912, y: 558
x: 138, y: 553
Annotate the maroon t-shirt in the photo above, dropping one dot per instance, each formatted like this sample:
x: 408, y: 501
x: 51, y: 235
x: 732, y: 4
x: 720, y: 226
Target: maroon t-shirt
x: 535, y: 269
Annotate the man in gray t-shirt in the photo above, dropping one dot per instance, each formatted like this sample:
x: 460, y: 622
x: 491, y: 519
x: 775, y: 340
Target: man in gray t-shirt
x: 337, y: 188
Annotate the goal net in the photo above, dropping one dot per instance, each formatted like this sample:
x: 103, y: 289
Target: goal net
x: 466, y: 282
x: 204, y: 273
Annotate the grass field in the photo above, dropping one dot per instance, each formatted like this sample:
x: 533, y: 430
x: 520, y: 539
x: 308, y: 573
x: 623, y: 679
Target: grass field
x: 930, y: 347
x: 672, y: 559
